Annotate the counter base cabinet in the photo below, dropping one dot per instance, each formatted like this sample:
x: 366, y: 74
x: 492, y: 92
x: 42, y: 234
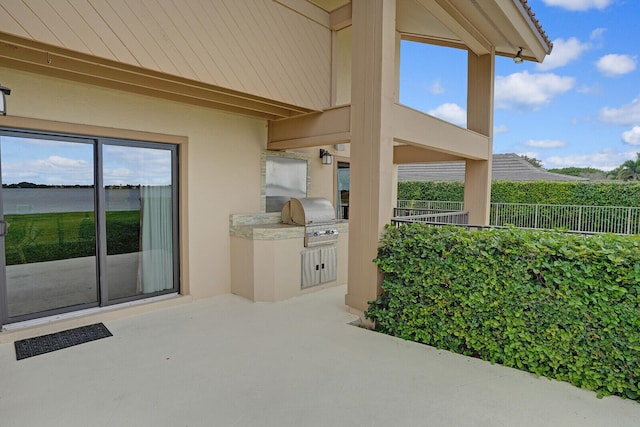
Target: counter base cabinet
x: 319, y: 265
x: 269, y: 261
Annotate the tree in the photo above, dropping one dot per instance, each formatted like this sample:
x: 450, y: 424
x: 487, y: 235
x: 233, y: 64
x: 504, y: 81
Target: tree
x: 590, y: 173
x: 535, y: 162
x: 630, y: 170
x: 613, y: 173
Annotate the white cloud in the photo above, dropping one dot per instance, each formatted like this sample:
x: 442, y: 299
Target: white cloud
x: 632, y: 136
x: 64, y: 162
x: 627, y: 115
x: 581, y: 5
x: 450, y: 112
x: 564, y: 51
x: 596, y: 89
x: 529, y: 90
x: 605, y: 160
x: 545, y: 143
x: 616, y: 65
x: 53, y: 170
x: 498, y: 129
x: 598, y: 34
x: 436, y: 88
x: 530, y: 154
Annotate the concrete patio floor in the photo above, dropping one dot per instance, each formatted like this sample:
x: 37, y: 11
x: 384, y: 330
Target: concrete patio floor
x: 226, y: 361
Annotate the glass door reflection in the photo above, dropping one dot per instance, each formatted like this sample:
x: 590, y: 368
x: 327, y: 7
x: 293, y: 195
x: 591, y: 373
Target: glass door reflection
x: 139, y: 219
x: 48, y: 203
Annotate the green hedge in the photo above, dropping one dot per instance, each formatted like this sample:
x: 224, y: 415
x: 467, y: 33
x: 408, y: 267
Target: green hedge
x: 537, y: 192
x: 54, y: 236
x: 431, y: 190
x: 559, y: 305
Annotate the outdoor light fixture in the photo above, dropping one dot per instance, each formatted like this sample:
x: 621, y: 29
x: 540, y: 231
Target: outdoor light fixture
x: 518, y: 58
x: 3, y: 104
x: 327, y: 158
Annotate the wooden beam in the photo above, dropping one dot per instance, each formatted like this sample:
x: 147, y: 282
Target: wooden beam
x: 415, y: 128
x: 434, y: 41
x: 373, y: 90
x: 405, y: 154
x: 340, y: 18
x: 332, y: 126
x: 311, y: 141
x: 477, y: 179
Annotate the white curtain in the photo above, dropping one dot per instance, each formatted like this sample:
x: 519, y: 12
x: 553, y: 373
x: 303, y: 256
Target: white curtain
x: 155, y: 270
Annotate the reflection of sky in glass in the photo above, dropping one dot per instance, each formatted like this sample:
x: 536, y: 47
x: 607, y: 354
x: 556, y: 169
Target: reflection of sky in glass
x: 136, y: 166
x: 70, y: 163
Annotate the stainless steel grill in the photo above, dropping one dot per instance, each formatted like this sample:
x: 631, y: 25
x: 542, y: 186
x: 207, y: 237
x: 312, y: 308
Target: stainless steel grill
x: 318, y: 217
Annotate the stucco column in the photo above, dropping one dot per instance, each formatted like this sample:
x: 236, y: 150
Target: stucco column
x: 477, y: 180
x: 373, y: 90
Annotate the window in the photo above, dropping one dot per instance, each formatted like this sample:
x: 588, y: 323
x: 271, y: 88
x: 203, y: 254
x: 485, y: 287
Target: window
x: 90, y: 222
x: 342, y: 202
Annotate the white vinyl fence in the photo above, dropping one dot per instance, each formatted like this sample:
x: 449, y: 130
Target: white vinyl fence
x: 585, y: 219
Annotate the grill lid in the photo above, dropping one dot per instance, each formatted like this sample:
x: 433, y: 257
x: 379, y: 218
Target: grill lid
x: 308, y: 210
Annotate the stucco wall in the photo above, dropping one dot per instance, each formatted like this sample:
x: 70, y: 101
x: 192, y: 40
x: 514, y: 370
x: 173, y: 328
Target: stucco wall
x: 343, y: 66
x: 223, y: 157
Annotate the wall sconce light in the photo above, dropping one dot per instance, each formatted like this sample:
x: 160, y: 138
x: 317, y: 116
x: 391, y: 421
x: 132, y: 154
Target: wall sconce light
x: 518, y: 58
x: 3, y: 104
x: 327, y: 158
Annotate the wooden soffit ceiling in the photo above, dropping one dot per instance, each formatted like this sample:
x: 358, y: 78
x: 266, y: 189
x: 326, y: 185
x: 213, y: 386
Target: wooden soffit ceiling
x: 330, y: 5
x: 53, y: 61
x: 478, y: 25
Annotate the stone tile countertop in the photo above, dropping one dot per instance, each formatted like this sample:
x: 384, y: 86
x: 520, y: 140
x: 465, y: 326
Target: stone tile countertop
x: 269, y: 226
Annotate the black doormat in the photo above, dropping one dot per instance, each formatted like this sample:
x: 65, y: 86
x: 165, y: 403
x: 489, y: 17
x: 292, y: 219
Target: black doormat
x: 52, y: 342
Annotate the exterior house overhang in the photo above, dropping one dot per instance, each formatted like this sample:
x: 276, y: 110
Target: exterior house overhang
x: 53, y: 61
x: 243, y: 57
x: 500, y: 26
x: 413, y: 131
x: 507, y: 25
x: 490, y: 27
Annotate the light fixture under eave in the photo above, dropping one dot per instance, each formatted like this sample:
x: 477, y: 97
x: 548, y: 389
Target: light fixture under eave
x: 518, y: 58
x: 3, y: 102
x: 327, y: 158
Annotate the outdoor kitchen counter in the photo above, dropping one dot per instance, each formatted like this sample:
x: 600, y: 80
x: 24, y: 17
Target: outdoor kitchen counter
x: 269, y: 226
x: 266, y: 257
x: 267, y: 231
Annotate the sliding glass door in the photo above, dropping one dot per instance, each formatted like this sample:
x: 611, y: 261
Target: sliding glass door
x: 139, y: 208
x: 86, y: 222
x: 48, y: 204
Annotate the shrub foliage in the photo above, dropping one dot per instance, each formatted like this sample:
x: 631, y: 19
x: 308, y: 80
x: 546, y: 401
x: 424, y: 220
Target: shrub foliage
x: 536, y: 192
x: 559, y: 305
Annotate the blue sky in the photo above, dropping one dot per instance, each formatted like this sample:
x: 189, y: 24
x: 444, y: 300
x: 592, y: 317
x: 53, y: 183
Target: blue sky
x: 580, y: 107
x: 51, y: 162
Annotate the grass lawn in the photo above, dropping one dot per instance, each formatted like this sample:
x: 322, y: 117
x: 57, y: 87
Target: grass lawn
x: 53, y: 236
